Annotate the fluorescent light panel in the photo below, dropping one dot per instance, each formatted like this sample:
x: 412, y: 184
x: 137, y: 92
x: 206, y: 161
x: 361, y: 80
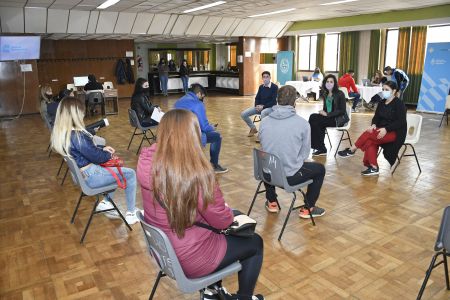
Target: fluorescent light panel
x: 273, y: 12
x: 204, y: 6
x: 338, y: 2
x: 107, y: 4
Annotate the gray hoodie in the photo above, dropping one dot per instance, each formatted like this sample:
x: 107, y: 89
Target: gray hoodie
x: 288, y: 136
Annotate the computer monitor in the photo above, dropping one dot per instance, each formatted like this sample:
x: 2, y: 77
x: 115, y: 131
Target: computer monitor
x: 80, y: 80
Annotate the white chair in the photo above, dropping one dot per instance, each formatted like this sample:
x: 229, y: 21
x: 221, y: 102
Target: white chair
x: 343, y: 129
x: 70, y: 86
x: 345, y: 91
x: 414, y: 126
x: 447, y: 110
x: 108, y: 85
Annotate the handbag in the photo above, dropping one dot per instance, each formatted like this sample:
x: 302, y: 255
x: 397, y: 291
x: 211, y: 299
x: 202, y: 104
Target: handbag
x: 242, y: 226
x: 116, y: 162
x: 342, y: 120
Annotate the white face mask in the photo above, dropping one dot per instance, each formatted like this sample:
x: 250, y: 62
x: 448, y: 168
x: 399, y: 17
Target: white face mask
x: 145, y: 85
x: 386, y: 94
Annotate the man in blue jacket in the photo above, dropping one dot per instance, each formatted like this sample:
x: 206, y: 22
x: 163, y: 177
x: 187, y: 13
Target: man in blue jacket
x: 264, y: 100
x: 193, y: 101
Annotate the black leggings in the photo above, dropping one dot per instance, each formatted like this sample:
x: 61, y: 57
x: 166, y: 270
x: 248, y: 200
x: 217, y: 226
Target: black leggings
x: 318, y: 125
x: 249, y: 252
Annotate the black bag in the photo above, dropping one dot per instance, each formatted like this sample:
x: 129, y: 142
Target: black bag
x: 242, y: 226
x: 342, y: 120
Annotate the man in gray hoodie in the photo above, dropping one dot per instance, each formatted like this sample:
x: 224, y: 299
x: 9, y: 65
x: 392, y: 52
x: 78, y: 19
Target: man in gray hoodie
x: 288, y: 136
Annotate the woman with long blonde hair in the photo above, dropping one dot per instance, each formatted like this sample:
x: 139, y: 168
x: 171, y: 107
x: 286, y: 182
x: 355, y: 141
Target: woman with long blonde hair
x: 179, y: 189
x: 70, y: 137
x: 46, y: 97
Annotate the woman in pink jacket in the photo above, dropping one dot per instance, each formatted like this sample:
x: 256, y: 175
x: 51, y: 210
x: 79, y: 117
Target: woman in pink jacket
x: 178, y: 189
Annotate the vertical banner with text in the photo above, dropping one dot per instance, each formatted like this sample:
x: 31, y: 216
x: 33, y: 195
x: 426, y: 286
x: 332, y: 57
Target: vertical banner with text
x: 285, y: 65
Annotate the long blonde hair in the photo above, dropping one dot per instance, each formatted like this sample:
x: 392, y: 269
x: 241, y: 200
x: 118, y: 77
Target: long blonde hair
x: 44, y: 96
x: 69, y: 116
x: 181, y: 173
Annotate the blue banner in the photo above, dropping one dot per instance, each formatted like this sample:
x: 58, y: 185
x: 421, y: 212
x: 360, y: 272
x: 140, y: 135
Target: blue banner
x: 435, y: 78
x: 285, y: 65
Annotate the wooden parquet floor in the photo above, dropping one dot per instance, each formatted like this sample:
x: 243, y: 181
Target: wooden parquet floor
x: 375, y: 242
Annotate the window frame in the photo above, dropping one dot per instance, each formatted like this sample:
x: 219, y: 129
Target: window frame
x: 309, y: 53
x: 337, y: 52
x: 386, y: 45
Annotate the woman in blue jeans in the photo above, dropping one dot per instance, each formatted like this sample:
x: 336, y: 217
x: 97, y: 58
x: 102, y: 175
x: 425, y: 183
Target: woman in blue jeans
x: 184, y: 75
x: 70, y: 137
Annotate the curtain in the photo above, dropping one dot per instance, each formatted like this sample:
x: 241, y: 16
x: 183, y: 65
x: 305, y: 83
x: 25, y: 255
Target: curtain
x: 348, y: 52
x: 416, y: 63
x: 404, y: 34
x: 320, y: 52
x: 374, y: 52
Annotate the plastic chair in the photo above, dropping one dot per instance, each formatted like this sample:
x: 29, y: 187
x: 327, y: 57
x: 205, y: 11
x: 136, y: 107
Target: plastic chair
x: 108, y: 85
x: 87, y: 191
x: 343, y: 129
x: 447, y: 110
x: 441, y: 247
x: 345, y: 91
x: 134, y: 122
x: 414, y: 126
x: 161, y: 250
x: 268, y: 168
x: 95, y: 98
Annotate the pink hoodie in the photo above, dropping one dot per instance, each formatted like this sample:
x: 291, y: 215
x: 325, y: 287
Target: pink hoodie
x: 200, y: 251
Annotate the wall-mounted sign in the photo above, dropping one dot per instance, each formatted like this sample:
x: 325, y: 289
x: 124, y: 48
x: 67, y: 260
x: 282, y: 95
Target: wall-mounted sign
x: 26, y: 68
x: 248, y: 54
x: 128, y: 53
x: 240, y: 59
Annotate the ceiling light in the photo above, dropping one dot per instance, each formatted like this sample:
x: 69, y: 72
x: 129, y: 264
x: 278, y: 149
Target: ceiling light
x: 205, y: 6
x: 338, y: 2
x: 273, y: 12
x: 107, y: 4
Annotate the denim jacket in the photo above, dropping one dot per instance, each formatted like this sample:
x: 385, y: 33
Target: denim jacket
x: 84, y: 151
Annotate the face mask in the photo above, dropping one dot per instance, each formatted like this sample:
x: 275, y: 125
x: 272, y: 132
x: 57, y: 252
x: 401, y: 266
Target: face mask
x: 329, y: 85
x: 386, y: 94
x: 266, y: 81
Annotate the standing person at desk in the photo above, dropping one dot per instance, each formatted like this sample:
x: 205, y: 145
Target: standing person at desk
x: 163, y: 73
x: 184, y: 75
x: 141, y: 104
x: 92, y: 85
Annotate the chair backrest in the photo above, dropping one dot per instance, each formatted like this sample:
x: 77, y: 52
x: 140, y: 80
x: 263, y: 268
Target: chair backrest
x: 74, y: 170
x: 414, y: 126
x: 70, y: 86
x: 345, y: 91
x: 107, y: 85
x: 95, y: 97
x: 161, y: 250
x: 443, y: 238
x: 134, y: 120
x: 269, y: 168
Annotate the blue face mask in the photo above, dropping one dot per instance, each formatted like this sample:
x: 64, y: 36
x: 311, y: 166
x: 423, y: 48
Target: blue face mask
x: 386, y: 94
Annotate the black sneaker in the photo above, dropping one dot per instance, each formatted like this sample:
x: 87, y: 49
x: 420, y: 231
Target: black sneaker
x: 371, y: 171
x: 320, y: 153
x: 346, y: 153
x: 218, y: 169
x: 223, y: 294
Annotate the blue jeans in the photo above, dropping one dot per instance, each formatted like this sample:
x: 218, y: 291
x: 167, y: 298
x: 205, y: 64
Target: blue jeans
x: 185, y: 80
x: 97, y: 176
x: 214, y: 138
x: 246, y: 114
x: 356, y: 100
x: 163, y: 79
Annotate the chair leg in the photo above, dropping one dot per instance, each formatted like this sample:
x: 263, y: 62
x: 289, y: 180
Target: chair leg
x: 50, y: 153
x: 160, y: 275
x: 329, y: 140
x: 427, y: 275
x: 308, y: 208
x: 65, y: 175
x: 417, y: 160
x: 50, y: 144
x: 132, y: 137
x: 118, y: 211
x: 447, y: 281
x: 90, y: 219
x: 399, y: 159
x: 349, y: 139
x: 287, y: 216
x: 254, y: 198
x: 443, y: 116
x: 60, y: 167
x: 76, y: 208
x: 140, y: 145
x: 339, y: 144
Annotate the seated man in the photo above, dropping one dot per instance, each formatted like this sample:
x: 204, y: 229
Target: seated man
x: 193, y: 101
x: 278, y: 137
x: 264, y: 100
x: 348, y: 82
x: 93, y: 85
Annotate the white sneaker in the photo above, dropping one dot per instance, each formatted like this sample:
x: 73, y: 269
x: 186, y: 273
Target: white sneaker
x: 131, y: 217
x: 105, y: 204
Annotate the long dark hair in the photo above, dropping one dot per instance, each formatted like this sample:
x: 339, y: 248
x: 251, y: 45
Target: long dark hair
x: 335, y: 87
x: 138, y: 86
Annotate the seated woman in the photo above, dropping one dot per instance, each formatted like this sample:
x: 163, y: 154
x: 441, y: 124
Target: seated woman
x: 388, y: 130
x: 178, y: 189
x: 377, y: 78
x: 317, y: 75
x: 141, y: 104
x: 334, y: 114
x: 69, y: 137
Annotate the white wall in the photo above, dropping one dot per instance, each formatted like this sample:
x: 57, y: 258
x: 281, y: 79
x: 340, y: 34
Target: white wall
x: 363, y: 55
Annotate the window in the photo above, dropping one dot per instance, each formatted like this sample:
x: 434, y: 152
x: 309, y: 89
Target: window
x: 331, y: 59
x: 391, y: 47
x: 438, y: 34
x: 307, y: 52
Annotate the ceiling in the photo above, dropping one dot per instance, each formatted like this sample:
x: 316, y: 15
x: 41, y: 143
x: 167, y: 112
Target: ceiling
x: 164, y: 21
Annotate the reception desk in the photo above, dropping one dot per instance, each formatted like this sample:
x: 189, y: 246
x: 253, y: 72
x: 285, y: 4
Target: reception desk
x: 211, y: 80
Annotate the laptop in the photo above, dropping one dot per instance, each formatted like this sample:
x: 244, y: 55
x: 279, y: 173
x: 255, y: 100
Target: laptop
x: 366, y: 82
x: 305, y: 78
